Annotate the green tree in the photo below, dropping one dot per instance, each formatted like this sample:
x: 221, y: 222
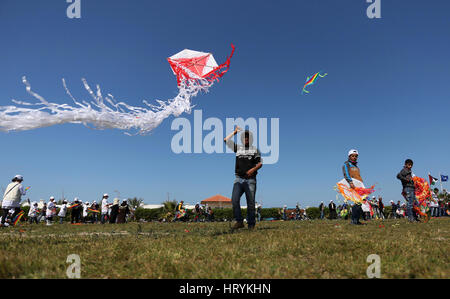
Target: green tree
x: 135, y: 202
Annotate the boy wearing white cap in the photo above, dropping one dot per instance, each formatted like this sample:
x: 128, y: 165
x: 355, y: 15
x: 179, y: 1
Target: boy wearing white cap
x: 12, y: 197
x: 351, y: 172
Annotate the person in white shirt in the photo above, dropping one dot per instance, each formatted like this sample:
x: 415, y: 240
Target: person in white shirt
x: 105, y: 206
x: 366, y: 209
x: 33, y: 213
x: 12, y: 197
x: 86, y: 206
x: 62, y: 212
x: 51, y: 210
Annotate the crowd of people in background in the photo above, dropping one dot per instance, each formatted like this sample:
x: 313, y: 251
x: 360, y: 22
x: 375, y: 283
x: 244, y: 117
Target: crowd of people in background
x: 81, y: 212
x: 53, y: 212
x: 120, y: 212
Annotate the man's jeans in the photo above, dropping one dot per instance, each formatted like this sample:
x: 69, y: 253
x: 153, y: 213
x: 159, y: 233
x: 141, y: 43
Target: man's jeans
x: 241, y: 186
x: 434, y: 211
x: 104, y: 218
x: 411, y: 198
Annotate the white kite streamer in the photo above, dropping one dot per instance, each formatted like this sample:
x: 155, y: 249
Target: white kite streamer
x: 196, y: 72
x: 103, y: 112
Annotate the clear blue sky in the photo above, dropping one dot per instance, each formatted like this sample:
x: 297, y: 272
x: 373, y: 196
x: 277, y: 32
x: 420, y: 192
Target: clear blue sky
x: 387, y: 93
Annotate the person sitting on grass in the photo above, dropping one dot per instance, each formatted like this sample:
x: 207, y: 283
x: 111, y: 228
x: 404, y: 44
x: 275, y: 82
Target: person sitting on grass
x: 409, y: 190
x: 248, y: 162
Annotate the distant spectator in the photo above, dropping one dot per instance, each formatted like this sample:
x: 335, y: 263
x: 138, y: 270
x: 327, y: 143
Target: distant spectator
x: 321, y: 209
x: 62, y: 211
x: 43, y: 212
x: 124, y: 210
x: 105, y: 208
x: 95, y: 207
x: 332, y: 208
x: 381, y: 207
x: 51, y: 210
x: 285, y: 213
x: 197, y: 212
x: 77, y: 208
x: 258, y: 212
x: 366, y: 209
x: 210, y: 214
x: 33, y: 213
x: 394, y: 209
x: 114, y: 211
x: 12, y: 197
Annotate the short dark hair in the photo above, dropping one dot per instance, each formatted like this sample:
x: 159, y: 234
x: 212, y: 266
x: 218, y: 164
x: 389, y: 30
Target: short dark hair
x: 409, y: 162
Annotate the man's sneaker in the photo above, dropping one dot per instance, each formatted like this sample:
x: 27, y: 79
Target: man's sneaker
x: 238, y: 225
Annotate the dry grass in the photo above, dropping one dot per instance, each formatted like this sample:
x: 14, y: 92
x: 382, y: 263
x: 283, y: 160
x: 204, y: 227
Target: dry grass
x: 315, y: 249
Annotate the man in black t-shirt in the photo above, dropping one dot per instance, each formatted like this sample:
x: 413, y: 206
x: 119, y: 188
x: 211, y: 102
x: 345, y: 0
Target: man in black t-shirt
x: 248, y: 162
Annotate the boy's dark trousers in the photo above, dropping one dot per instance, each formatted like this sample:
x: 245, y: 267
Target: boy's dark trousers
x: 356, y: 213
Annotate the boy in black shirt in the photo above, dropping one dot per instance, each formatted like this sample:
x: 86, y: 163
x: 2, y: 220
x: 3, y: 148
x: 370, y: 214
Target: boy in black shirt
x: 409, y: 190
x: 248, y: 161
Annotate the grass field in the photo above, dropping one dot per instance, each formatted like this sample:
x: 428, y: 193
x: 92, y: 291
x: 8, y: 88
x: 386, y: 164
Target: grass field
x: 295, y: 249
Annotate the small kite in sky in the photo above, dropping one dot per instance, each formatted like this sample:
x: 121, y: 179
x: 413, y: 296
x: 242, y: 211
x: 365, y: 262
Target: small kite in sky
x: 311, y: 81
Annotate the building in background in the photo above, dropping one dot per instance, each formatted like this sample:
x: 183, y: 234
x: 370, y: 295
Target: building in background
x: 217, y: 201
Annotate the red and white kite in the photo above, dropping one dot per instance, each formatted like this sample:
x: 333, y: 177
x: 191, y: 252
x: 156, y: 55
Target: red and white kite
x: 195, y: 71
x: 195, y: 65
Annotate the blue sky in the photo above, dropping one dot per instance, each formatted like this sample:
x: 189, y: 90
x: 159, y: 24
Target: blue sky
x: 387, y: 93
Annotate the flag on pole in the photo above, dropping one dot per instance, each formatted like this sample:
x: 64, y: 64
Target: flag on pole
x: 444, y: 178
x: 432, y: 179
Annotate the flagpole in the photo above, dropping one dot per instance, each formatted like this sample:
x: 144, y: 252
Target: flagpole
x: 440, y: 179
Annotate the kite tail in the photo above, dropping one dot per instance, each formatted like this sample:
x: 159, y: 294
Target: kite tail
x: 18, y: 217
x: 323, y: 75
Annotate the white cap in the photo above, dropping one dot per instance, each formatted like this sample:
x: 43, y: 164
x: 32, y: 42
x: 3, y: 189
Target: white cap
x: 353, y: 151
x: 51, y: 197
x: 19, y: 177
x: 94, y: 201
x: 75, y: 199
x: 105, y: 195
